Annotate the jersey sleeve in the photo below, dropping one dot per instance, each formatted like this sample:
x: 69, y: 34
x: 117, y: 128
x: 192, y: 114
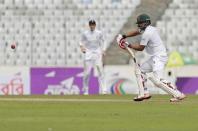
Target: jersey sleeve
x: 102, y: 41
x: 82, y: 40
x: 145, y: 39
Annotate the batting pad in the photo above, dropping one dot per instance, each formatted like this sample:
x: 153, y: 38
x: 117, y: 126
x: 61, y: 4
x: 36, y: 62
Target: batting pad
x: 166, y: 88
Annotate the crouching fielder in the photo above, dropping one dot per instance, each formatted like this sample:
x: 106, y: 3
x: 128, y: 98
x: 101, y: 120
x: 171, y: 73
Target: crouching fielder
x: 93, y: 46
x: 151, y: 41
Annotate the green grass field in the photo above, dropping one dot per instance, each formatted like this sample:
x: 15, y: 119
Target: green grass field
x: 97, y: 113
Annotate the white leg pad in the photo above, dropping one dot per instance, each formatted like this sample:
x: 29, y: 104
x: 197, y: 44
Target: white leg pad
x: 139, y: 81
x: 165, y: 87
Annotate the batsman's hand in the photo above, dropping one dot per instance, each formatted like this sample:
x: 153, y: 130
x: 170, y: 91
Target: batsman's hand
x: 121, y: 41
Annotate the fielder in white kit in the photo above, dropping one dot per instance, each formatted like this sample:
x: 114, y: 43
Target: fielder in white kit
x: 92, y: 44
x: 152, y: 43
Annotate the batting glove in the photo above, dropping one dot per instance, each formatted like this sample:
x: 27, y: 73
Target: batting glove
x: 121, y: 41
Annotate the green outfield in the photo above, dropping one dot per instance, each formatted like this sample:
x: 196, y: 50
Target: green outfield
x: 97, y: 113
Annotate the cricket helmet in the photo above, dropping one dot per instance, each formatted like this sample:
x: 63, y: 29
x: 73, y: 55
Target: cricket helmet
x: 143, y: 21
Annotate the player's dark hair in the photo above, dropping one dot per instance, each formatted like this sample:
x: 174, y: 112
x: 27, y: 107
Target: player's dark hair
x: 92, y: 22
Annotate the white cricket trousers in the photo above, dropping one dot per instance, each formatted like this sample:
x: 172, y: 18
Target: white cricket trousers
x: 94, y: 60
x: 155, y: 64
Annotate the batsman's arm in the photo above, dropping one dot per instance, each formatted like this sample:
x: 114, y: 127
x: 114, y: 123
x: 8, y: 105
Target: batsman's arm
x: 131, y: 34
x: 140, y: 46
x: 137, y: 46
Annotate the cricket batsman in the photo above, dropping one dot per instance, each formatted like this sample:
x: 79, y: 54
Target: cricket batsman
x: 92, y: 44
x: 152, y: 43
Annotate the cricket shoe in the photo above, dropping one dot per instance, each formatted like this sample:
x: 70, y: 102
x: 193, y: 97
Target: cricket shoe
x: 147, y: 96
x: 141, y: 98
x: 174, y: 99
x: 183, y: 96
x: 85, y: 91
x: 104, y: 92
x: 177, y: 99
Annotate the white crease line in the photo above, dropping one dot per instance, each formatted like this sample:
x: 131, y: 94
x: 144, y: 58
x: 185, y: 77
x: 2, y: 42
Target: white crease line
x: 79, y: 100
x: 61, y: 100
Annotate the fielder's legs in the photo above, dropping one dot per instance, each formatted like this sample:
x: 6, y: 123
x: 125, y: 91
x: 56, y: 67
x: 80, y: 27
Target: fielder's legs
x: 101, y: 79
x: 88, y: 64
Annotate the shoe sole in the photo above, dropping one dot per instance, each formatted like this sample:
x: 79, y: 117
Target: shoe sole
x: 138, y: 99
x: 175, y: 100
x: 179, y: 99
x: 182, y: 97
x: 141, y: 99
x: 148, y: 97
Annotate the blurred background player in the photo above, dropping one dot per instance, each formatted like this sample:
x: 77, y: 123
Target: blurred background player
x: 93, y: 46
x: 151, y: 41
